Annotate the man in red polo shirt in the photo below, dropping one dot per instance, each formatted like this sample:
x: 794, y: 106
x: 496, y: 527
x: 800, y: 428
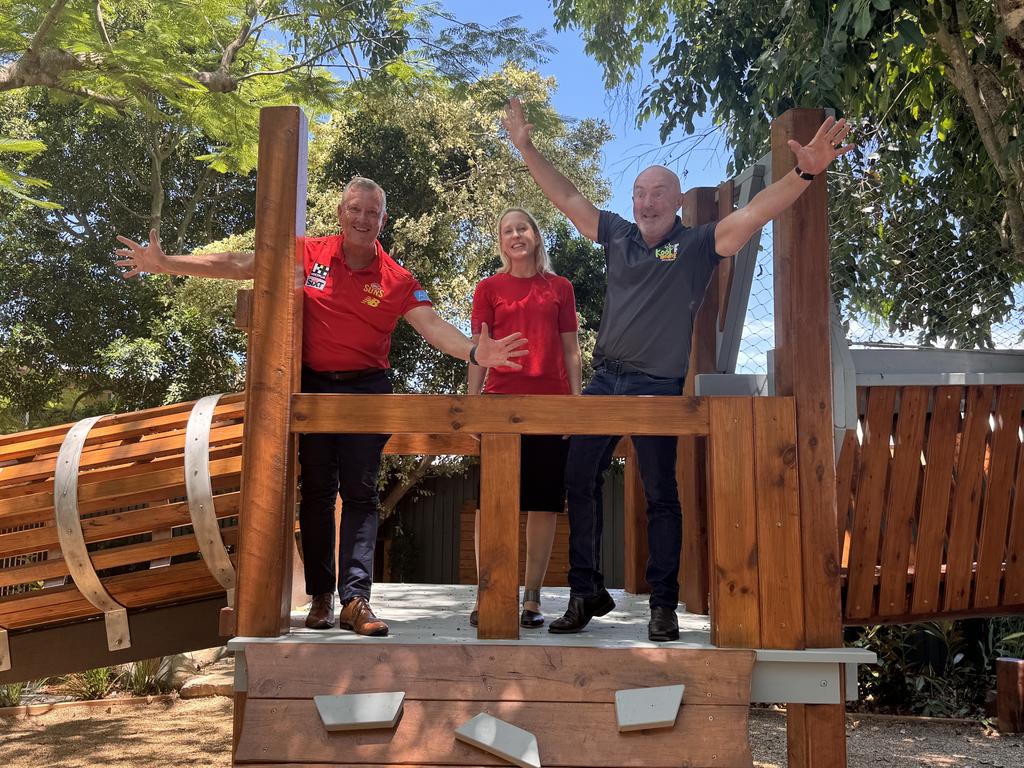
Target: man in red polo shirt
x: 354, y: 295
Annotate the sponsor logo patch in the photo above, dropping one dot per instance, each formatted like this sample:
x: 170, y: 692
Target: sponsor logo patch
x: 667, y: 252
x: 420, y: 295
x: 318, y: 276
x: 371, y: 301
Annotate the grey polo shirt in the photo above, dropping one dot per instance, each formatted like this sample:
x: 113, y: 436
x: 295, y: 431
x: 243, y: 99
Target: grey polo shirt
x: 653, y: 294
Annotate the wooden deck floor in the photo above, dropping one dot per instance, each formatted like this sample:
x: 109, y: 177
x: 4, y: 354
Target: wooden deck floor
x: 439, y: 614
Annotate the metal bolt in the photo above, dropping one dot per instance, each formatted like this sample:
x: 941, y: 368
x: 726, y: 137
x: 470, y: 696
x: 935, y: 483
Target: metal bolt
x: 824, y: 683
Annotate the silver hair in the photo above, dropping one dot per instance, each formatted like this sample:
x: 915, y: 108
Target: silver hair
x: 361, y: 182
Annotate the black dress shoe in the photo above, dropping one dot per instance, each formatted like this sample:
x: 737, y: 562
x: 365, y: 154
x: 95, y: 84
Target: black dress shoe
x: 580, y: 611
x: 531, y: 619
x: 664, y: 624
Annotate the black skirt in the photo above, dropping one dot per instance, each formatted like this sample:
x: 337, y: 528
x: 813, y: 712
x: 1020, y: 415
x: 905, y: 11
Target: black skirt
x: 542, y: 473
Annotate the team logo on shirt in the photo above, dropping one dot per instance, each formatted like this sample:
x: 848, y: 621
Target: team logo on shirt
x: 318, y: 276
x: 667, y: 252
x: 371, y: 301
x: 374, y: 289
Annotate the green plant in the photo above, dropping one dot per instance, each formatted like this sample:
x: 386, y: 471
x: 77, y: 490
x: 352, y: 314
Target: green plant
x: 90, y: 684
x: 937, y: 668
x: 1008, y: 636
x: 145, y: 677
x: 10, y: 694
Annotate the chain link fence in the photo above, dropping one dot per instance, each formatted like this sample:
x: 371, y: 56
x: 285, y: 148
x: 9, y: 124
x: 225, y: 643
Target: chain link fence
x: 912, y: 266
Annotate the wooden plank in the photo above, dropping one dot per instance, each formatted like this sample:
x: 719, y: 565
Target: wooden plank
x: 816, y: 735
x: 471, y: 672
x: 117, y: 427
x: 732, y: 525
x: 288, y: 729
x: 967, y: 498
x: 692, y: 479
x: 726, y: 270
x: 901, y: 510
x: 115, y: 525
x: 777, y: 491
x: 140, y: 589
x: 144, y: 450
x: 871, y: 486
x: 1010, y: 695
x: 433, y: 445
x: 634, y: 525
x: 499, y: 537
x: 943, y: 428
x: 500, y: 414
x: 32, y: 493
x: 109, y: 558
x: 275, y: 341
x: 803, y: 368
x: 846, y: 470
x: 995, y: 520
x: 1013, y: 578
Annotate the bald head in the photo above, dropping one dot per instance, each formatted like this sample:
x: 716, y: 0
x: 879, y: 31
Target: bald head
x: 657, y: 195
x: 659, y: 175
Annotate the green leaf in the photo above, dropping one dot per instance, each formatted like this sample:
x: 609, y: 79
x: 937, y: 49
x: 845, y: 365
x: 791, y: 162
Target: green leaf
x: 863, y: 23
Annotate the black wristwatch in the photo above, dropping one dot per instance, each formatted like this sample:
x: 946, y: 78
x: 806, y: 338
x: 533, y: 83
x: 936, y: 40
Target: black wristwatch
x: 803, y: 174
x: 472, y: 355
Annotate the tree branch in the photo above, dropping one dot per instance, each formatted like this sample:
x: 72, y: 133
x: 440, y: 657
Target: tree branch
x: 190, y: 208
x: 45, y: 26
x: 98, y: 11
x: 395, y: 495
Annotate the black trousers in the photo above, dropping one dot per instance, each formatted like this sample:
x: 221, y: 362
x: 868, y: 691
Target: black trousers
x: 345, y: 464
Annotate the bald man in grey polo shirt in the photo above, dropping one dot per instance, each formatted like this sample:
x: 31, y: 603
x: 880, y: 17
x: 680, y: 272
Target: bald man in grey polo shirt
x: 658, y: 272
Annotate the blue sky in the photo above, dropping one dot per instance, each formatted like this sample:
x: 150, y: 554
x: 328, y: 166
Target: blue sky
x: 581, y: 94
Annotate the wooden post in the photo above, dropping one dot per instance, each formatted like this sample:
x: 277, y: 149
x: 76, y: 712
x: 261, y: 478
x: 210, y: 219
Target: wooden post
x: 634, y: 525
x: 499, y: 537
x: 700, y: 206
x: 1010, y: 695
x: 803, y: 369
x: 275, y: 340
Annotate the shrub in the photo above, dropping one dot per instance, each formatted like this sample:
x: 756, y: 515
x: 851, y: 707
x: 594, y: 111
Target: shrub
x: 146, y: 677
x: 91, y: 684
x: 10, y: 694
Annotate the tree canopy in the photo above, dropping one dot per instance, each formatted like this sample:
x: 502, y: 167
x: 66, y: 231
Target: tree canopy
x: 936, y: 88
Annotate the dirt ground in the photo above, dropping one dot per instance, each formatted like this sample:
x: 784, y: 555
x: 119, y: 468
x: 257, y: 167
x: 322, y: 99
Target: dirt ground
x: 196, y: 733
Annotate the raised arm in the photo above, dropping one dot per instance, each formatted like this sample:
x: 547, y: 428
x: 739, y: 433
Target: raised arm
x: 736, y: 228
x: 136, y: 258
x: 556, y: 188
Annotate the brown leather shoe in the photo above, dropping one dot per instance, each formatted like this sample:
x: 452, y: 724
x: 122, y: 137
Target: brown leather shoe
x: 358, y: 616
x: 321, y: 611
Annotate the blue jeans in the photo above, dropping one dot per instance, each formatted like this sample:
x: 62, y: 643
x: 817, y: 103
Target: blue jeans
x: 346, y: 464
x: 589, y: 457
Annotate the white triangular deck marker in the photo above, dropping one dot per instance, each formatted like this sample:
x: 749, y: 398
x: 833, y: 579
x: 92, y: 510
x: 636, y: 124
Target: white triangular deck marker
x: 360, y: 711
x: 637, y: 709
x: 499, y: 738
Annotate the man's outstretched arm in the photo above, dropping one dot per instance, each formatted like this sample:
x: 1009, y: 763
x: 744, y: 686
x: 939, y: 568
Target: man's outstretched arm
x: 556, y: 188
x: 136, y: 258
x: 736, y: 228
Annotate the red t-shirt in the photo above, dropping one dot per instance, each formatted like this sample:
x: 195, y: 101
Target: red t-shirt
x: 348, y: 316
x: 542, y: 308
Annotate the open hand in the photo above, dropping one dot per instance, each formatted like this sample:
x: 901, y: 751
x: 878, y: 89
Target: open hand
x: 137, y: 258
x: 494, y: 353
x: 825, y: 147
x: 515, y: 124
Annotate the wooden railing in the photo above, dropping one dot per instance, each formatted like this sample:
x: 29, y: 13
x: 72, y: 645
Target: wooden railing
x: 930, y: 506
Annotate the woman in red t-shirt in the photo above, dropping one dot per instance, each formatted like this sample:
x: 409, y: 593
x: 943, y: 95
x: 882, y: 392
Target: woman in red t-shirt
x: 527, y: 296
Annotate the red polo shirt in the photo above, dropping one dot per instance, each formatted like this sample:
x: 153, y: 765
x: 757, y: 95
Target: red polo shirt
x: 349, y: 315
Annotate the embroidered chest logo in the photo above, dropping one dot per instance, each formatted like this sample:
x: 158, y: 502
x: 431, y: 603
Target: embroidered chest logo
x: 375, y: 294
x: 667, y: 252
x: 318, y: 276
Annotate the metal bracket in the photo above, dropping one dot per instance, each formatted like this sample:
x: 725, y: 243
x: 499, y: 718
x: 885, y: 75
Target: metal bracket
x: 199, y: 490
x: 72, y: 540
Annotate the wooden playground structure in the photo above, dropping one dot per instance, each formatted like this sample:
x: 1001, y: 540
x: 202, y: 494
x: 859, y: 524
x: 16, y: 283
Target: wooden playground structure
x: 929, y: 524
